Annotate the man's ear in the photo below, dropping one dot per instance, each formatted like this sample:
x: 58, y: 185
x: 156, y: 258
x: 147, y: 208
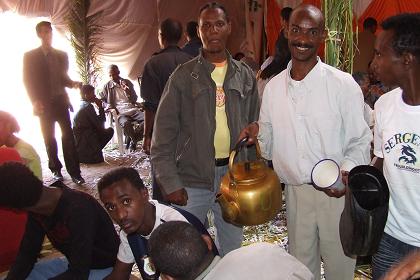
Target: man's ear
x: 324, y: 34
x: 208, y: 240
x: 408, y: 58
x: 144, y: 193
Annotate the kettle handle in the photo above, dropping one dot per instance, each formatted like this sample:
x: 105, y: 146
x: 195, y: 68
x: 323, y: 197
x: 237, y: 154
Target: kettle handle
x: 235, y: 150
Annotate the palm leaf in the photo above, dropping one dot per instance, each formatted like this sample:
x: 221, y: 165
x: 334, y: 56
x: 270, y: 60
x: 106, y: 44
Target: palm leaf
x: 339, y: 46
x: 86, y: 40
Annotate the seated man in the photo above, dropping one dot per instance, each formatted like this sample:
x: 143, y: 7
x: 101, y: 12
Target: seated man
x: 180, y: 252
x: 127, y: 201
x: 74, y: 222
x: 88, y: 128
x: 120, y: 95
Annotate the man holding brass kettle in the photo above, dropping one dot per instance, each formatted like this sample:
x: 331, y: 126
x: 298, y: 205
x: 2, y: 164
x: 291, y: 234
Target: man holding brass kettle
x: 205, y: 104
x: 310, y: 112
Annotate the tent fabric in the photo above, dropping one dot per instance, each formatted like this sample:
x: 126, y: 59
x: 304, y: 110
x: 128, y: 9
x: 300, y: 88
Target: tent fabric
x: 378, y: 9
x: 131, y: 26
x: 382, y: 9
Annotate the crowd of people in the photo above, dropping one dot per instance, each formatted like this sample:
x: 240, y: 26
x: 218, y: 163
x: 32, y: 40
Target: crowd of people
x: 199, y: 101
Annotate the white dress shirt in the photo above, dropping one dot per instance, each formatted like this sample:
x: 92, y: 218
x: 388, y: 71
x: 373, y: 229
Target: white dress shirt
x: 303, y: 122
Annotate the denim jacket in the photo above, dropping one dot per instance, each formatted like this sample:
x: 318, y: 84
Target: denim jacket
x: 182, y: 150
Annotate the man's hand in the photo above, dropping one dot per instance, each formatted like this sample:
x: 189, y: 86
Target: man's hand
x: 331, y: 192
x: 98, y: 102
x: 408, y: 268
x: 76, y: 84
x: 250, y: 131
x: 345, y: 177
x: 179, y: 197
x: 147, y: 140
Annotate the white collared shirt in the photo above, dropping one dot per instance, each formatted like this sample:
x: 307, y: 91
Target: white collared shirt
x: 303, y: 122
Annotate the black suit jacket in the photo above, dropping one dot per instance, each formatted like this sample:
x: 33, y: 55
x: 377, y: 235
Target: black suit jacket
x: 37, y: 80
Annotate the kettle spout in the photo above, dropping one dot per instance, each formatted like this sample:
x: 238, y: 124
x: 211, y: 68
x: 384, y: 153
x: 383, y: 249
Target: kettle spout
x: 230, y: 210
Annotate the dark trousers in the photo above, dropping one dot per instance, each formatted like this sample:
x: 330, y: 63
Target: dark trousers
x: 126, y: 122
x: 71, y: 159
x: 90, y: 142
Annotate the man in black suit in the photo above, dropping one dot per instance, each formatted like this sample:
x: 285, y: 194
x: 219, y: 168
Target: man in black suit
x: 45, y: 78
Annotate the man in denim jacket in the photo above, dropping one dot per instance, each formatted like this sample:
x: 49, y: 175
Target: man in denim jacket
x: 205, y: 104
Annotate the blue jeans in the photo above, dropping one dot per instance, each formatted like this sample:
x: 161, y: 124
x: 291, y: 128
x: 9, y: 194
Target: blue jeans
x: 46, y: 269
x: 228, y: 236
x: 390, y: 252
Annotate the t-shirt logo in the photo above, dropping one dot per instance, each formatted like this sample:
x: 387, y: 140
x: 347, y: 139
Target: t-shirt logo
x: 148, y: 266
x: 408, y: 155
x: 220, y: 97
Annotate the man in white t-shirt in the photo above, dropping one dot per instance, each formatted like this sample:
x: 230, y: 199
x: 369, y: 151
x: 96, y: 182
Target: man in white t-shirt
x: 127, y: 201
x: 397, y: 137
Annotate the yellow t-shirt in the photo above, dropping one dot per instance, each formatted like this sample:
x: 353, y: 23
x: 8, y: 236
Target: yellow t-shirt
x: 222, y: 134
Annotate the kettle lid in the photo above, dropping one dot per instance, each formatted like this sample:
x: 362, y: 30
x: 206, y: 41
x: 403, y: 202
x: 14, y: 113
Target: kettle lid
x: 249, y: 172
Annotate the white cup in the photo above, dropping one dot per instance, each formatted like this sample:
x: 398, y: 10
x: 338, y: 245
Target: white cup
x: 326, y: 174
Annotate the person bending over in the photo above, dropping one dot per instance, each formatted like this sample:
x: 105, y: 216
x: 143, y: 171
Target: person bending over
x: 74, y: 222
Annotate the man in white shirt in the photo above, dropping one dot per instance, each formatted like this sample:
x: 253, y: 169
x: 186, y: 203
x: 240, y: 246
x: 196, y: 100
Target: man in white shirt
x: 397, y: 137
x: 126, y: 199
x: 312, y: 111
x: 119, y: 94
x: 179, y: 251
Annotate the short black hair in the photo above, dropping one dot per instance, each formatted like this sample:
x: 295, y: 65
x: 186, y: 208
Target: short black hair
x: 85, y: 89
x: 192, y: 29
x: 359, y: 77
x: 113, y: 66
x: 369, y: 22
x: 6, y: 117
x: 406, y: 29
x: 42, y: 24
x: 171, y: 30
x: 177, y: 249
x: 214, y: 5
x: 19, y: 187
x: 285, y: 13
x: 119, y: 174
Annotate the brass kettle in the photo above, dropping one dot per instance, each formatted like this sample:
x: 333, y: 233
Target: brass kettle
x: 250, y: 193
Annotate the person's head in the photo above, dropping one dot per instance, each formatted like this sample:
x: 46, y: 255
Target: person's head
x: 214, y: 28
x: 127, y: 200
x: 397, y: 49
x: 285, y: 15
x: 370, y: 24
x: 8, y: 126
x: 179, y: 251
x: 362, y: 79
x: 114, y: 73
x: 192, y: 30
x: 87, y: 92
x: 305, y: 33
x: 44, y: 32
x: 19, y: 188
x: 170, y: 32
